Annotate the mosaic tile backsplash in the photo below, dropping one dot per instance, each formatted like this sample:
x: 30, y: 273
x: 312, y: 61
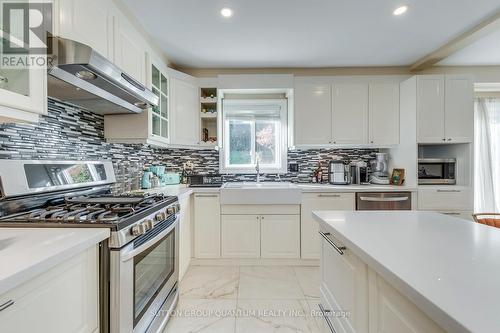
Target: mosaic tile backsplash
x: 71, y: 133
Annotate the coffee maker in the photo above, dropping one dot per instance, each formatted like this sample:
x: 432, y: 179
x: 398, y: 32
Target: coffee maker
x: 338, y: 173
x: 380, y: 169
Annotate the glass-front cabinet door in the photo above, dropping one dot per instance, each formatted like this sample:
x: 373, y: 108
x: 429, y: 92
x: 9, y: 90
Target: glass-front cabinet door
x: 160, y: 114
x: 22, y: 76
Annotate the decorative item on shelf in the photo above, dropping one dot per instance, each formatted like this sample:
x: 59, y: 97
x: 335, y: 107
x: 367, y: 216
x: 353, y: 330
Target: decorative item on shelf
x: 205, y: 135
x: 398, y: 177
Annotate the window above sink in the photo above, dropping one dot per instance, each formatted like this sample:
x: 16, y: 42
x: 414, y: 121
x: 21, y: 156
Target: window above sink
x: 254, y: 130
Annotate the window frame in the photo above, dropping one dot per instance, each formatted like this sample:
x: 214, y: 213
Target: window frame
x: 282, y: 145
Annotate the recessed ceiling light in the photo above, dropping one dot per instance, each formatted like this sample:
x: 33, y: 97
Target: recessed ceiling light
x: 226, y: 12
x: 400, y: 10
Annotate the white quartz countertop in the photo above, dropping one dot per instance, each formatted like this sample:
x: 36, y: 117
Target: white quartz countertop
x: 353, y: 188
x: 28, y: 252
x: 182, y: 190
x: 448, y: 267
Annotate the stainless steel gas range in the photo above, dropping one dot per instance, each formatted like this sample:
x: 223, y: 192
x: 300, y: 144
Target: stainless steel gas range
x: 138, y: 264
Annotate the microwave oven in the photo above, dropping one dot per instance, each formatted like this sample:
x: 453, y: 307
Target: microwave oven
x: 437, y: 171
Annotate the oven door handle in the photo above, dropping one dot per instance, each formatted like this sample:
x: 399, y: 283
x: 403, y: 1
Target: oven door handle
x: 129, y: 252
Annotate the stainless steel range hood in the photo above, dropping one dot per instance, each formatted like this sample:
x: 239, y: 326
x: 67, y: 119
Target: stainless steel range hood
x: 83, y: 77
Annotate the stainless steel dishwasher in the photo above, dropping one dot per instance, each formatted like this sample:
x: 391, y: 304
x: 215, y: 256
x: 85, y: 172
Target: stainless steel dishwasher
x: 383, y: 201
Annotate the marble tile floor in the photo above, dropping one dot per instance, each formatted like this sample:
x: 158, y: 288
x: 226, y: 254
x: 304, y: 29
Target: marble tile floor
x: 253, y: 299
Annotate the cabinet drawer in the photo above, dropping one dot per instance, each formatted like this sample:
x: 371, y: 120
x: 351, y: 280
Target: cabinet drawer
x: 344, y: 281
x: 445, y: 198
x: 466, y: 215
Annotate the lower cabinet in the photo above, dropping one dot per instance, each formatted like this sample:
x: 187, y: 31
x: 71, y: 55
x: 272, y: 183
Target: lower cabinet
x: 280, y: 236
x: 344, y: 287
x: 355, y: 298
x: 184, y: 235
x: 206, y: 225
x: 260, y: 231
x: 391, y: 312
x: 310, y: 239
x: 240, y: 236
x: 63, y: 299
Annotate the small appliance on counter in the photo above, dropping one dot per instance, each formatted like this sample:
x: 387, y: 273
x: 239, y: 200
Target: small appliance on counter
x: 437, y: 171
x: 359, y: 173
x: 339, y: 173
x: 380, y: 169
x: 209, y: 180
x: 170, y: 178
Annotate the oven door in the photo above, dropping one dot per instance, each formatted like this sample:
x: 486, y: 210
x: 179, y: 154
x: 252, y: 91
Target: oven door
x: 143, y: 275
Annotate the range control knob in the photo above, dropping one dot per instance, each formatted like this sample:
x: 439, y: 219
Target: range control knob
x: 170, y: 210
x: 148, y: 224
x: 160, y: 217
x: 138, y: 230
x: 177, y: 208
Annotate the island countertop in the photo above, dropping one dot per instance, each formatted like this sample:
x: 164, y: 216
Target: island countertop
x: 446, y: 266
x: 28, y: 252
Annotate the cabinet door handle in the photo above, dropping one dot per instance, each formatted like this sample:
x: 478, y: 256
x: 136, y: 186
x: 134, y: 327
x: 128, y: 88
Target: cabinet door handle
x: 6, y: 305
x: 451, y: 213
x: 449, y: 191
x: 328, y: 195
x: 325, y: 313
x: 206, y: 195
x: 339, y: 249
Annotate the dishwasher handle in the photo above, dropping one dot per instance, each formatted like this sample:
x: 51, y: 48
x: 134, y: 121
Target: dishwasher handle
x: 380, y: 199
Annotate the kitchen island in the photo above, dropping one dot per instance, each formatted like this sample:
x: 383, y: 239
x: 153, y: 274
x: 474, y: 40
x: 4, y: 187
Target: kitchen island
x: 409, y: 272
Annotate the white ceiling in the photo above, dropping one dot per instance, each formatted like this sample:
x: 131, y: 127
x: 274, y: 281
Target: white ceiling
x: 483, y: 52
x: 304, y: 33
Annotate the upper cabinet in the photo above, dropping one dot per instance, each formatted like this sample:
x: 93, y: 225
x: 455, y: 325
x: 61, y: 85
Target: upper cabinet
x: 313, y: 112
x: 89, y: 22
x: 350, y: 113
x: 354, y: 111
x: 383, y: 113
x: 129, y: 49
x: 445, y: 109
x: 459, y: 108
x: 185, y: 111
x: 152, y: 126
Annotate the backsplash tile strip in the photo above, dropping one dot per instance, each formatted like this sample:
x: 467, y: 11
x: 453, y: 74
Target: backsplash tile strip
x: 70, y: 133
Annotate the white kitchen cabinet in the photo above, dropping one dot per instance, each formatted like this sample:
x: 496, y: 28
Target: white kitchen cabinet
x: 349, y: 113
x: 445, y: 109
x: 459, y: 109
x: 310, y: 239
x: 313, y: 113
x: 63, y: 299
x: 206, y: 225
x: 344, y: 285
x: 23, y: 90
x: 129, y: 49
x: 280, y: 236
x: 185, y: 112
x: 445, y: 198
x: 184, y: 235
x: 240, y: 236
x: 383, y: 113
x: 391, y: 312
x: 430, y: 108
x: 89, y: 22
